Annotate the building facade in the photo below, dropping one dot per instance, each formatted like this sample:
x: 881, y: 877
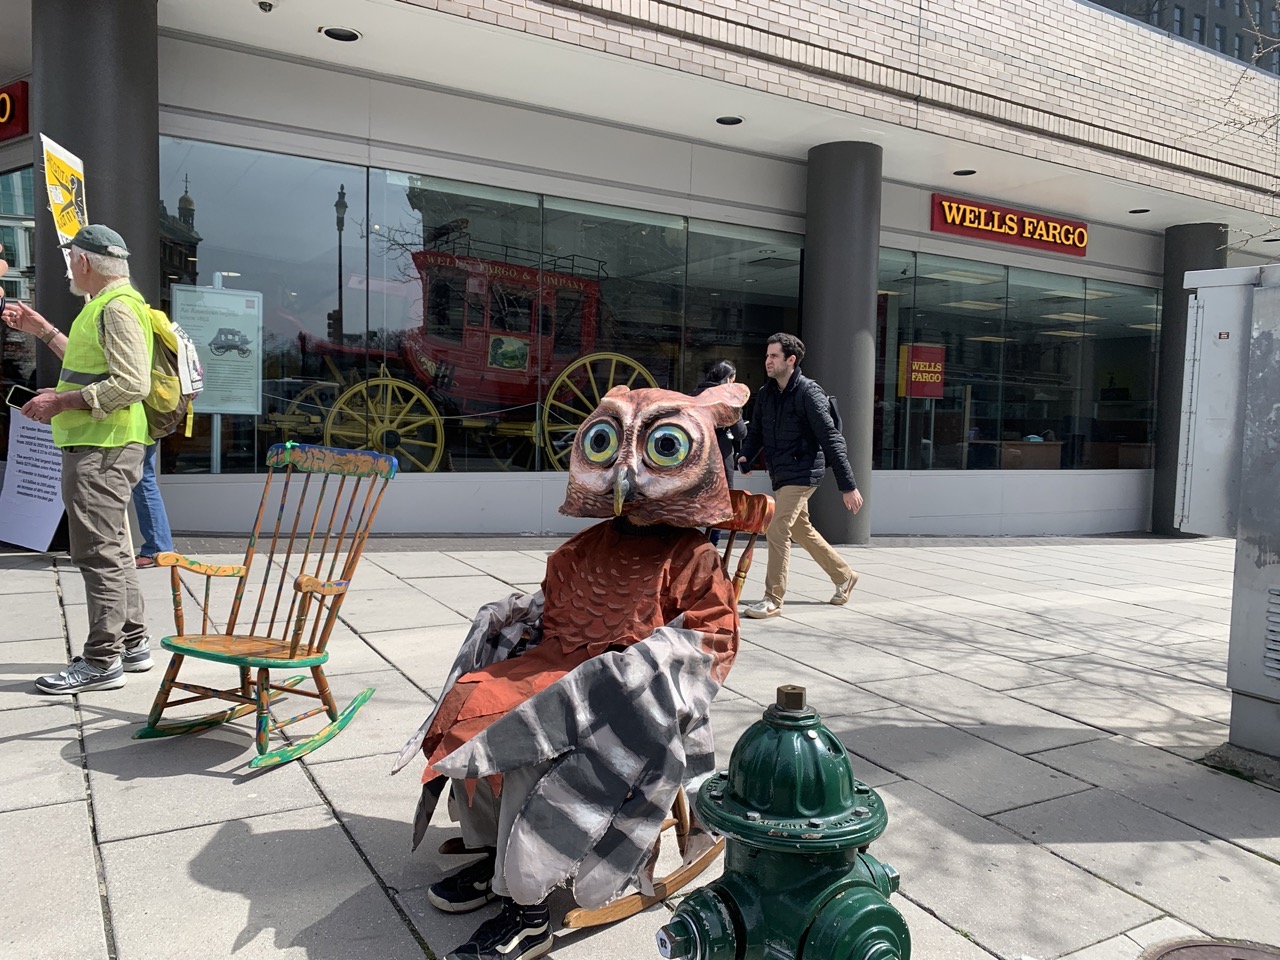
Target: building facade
x: 441, y: 229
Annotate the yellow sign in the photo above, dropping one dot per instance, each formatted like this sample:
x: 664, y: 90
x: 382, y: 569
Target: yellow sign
x: 64, y: 179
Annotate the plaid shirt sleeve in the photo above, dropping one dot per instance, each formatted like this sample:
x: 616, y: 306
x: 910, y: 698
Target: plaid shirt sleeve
x: 128, y: 369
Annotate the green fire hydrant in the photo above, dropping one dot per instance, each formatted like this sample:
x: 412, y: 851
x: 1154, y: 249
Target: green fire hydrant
x: 798, y: 882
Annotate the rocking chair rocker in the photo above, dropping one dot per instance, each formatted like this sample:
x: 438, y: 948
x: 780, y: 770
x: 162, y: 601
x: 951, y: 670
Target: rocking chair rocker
x: 324, y: 501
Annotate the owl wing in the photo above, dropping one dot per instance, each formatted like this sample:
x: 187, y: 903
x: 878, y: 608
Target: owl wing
x: 622, y: 730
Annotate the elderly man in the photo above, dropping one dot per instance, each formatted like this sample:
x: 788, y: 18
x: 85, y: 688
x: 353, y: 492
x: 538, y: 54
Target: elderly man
x: 101, y: 427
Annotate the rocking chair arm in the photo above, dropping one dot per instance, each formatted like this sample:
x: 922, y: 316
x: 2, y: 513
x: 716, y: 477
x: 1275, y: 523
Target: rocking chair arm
x: 170, y: 559
x: 323, y: 588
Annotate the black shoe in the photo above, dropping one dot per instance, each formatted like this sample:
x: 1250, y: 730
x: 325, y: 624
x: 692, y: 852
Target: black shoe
x: 468, y: 889
x: 517, y: 933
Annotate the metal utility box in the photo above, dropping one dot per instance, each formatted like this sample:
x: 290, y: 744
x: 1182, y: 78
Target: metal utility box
x: 1229, y: 474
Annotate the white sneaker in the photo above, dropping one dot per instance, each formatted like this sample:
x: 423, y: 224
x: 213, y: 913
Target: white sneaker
x: 762, y: 609
x: 844, y: 589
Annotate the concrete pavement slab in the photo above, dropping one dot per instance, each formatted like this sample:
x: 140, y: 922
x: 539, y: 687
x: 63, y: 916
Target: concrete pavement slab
x: 34, y: 740
x: 349, y: 653
x: 396, y: 609
x: 984, y: 713
x: 21, y: 662
x: 863, y: 662
x: 423, y: 654
x: 1130, y: 945
x: 463, y: 595
x: 1183, y: 695
x: 424, y: 563
x: 757, y: 673
x: 1155, y: 857
x: 50, y: 909
x: 1126, y: 713
x: 513, y: 566
x: 1012, y: 897
x: 976, y: 774
x: 381, y: 726
x: 930, y: 937
x: 286, y: 886
x: 1224, y: 806
x: 143, y: 787
x: 31, y: 616
x: 988, y: 670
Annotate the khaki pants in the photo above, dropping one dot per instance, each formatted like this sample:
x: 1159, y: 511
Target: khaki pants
x: 97, y: 483
x: 791, y: 522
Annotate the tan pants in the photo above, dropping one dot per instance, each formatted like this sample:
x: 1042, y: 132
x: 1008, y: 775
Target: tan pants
x: 487, y: 820
x: 97, y: 484
x: 791, y: 522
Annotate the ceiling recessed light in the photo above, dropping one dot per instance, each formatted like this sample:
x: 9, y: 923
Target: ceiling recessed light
x: 749, y: 280
x: 768, y: 251
x: 1140, y: 210
x: 728, y: 121
x: 1077, y: 294
x: 191, y: 259
x: 715, y: 294
x: 341, y: 34
x: 1074, y: 334
x: 963, y: 173
x: 990, y: 339
x: 1070, y: 316
x: 230, y: 273
x: 1145, y: 326
x: 973, y: 305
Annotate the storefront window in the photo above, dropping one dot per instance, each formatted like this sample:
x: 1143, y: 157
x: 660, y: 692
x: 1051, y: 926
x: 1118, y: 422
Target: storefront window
x: 17, y: 231
x: 983, y: 367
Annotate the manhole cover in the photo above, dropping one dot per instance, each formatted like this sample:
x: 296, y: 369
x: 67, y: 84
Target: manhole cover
x: 1211, y: 950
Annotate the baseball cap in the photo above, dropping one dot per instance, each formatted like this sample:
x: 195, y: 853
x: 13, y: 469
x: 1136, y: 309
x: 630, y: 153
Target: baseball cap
x: 95, y: 238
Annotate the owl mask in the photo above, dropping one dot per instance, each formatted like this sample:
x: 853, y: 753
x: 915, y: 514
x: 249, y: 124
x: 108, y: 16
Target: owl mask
x: 651, y: 456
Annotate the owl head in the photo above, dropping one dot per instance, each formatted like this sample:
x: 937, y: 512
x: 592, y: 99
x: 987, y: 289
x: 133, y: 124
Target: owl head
x: 651, y: 456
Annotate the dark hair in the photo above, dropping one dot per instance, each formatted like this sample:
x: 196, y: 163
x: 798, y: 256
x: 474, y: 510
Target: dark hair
x: 721, y: 372
x: 792, y: 346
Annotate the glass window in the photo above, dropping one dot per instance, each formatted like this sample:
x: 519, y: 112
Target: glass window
x: 1237, y: 47
x: 1197, y: 29
x: 1239, y: 5
x: 983, y: 367
x: 1220, y: 38
x: 1177, y: 21
x: 17, y: 224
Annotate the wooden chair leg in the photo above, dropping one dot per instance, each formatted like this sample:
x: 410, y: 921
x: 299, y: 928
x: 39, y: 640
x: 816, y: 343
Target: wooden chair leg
x: 326, y: 695
x: 166, y: 686
x: 264, y: 709
x: 244, y: 682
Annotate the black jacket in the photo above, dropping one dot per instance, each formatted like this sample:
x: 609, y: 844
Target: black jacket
x: 794, y: 428
x: 728, y: 438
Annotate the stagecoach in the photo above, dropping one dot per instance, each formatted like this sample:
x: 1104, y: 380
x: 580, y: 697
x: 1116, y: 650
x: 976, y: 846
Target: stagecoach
x: 492, y: 332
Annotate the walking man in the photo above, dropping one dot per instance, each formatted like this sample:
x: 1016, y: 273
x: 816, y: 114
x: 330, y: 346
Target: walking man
x: 101, y: 427
x: 792, y: 424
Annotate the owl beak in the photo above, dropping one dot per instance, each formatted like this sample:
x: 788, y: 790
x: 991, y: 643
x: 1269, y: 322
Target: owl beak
x: 623, y: 487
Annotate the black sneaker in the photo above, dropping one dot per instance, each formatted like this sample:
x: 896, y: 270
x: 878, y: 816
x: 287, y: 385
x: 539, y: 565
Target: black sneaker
x: 468, y: 889
x: 80, y: 676
x: 517, y: 933
x: 137, y: 656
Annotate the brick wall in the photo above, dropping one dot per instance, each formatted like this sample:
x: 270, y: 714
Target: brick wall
x: 1048, y: 78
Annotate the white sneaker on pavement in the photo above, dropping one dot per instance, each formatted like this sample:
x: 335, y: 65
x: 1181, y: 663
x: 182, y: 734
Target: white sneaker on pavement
x: 844, y: 589
x: 762, y: 609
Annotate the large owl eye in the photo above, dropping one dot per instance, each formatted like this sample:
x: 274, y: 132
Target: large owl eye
x: 668, y: 446
x: 600, y: 442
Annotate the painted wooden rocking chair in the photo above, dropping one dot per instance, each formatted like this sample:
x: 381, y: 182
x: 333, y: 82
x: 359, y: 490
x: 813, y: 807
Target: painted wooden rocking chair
x: 752, y: 513
x: 323, y: 501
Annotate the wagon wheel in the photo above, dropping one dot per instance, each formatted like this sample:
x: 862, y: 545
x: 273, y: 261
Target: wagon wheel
x: 243, y: 351
x: 389, y: 416
x: 513, y: 454
x: 307, y: 411
x: 577, y: 391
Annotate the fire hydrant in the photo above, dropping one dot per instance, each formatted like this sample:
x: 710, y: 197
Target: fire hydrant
x: 798, y: 883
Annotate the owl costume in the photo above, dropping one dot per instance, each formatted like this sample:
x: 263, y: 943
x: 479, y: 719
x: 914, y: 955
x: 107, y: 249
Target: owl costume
x: 584, y: 707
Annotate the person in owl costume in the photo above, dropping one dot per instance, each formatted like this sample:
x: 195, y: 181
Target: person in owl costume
x: 572, y: 716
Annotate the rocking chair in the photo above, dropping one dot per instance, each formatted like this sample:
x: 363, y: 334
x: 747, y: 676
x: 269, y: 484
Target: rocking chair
x: 323, y: 502
x: 752, y: 513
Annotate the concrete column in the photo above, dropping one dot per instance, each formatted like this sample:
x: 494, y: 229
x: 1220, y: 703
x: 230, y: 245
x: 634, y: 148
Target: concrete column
x: 838, y: 324
x: 1188, y: 246
x: 95, y: 90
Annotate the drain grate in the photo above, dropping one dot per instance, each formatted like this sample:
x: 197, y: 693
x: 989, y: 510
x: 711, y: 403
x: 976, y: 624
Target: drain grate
x: 1211, y: 950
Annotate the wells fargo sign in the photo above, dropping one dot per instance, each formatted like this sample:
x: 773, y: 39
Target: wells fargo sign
x: 987, y: 221
x: 920, y: 370
x: 13, y: 110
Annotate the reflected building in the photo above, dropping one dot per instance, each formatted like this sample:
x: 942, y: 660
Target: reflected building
x: 179, y: 243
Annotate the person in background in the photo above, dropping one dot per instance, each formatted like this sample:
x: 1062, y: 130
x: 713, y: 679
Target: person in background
x: 729, y: 438
x: 153, y: 520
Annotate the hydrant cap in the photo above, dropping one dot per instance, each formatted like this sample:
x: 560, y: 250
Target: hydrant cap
x: 790, y: 786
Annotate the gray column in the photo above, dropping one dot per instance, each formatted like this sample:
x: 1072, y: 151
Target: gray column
x: 838, y: 325
x: 1189, y: 246
x: 95, y: 90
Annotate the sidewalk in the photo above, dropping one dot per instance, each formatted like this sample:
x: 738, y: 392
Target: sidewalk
x: 1030, y: 710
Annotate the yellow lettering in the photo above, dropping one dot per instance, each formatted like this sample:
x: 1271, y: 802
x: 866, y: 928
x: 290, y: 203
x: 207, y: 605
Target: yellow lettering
x: 982, y: 220
x: 6, y: 107
x: 951, y: 212
x: 1029, y: 226
x: 1042, y: 230
x: 970, y: 216
x: 1055, y: 233
x: 1011, y: 225
x: 1081, y: 237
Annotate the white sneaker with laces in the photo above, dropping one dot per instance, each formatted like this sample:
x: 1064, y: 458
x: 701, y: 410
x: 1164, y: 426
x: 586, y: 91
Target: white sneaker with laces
x: 762, y: 609
x: 844, y: 589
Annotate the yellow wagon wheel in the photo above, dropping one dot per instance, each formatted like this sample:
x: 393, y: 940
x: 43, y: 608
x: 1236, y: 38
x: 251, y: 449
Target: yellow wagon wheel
x: 577, y: 391
x: 389, y: 416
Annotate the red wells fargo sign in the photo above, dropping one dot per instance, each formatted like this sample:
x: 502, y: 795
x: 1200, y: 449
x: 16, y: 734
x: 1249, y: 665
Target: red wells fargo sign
x: 989, y: 221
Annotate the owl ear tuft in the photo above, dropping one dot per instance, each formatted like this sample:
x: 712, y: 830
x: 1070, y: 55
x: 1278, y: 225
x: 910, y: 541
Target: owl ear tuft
x: 618, y: 391
x: 725, y: 402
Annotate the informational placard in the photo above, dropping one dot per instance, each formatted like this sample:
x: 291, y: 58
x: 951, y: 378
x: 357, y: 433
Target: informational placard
x: 226, y: 327
x: 64, y: 180
x: 31, y: 501
x: 921, y: 370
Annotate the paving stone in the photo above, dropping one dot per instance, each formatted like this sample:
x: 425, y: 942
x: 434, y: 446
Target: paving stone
x: 286, y: 885
x: 396, y: 610
x: 41, y: 744
x: 984, y: 713
x: 423, y: 654
x: 1182, y: 695
x: 1224, y: 806
x: 1126, y: 713
x: 50, y: 909
x: 1012, y: 897
x: 31, y: 616
x: 864, y: 662
x: 757, y: 673
x: 1145, y: 852
x: 930, y: 937
x: 381, y: 726
x: 976, y: 774
x: 988, y: 670
x: 463, y: 595
x: 509, y: 565
x: 412, y: 566
x: 21, y: 662
x: 27, y: 574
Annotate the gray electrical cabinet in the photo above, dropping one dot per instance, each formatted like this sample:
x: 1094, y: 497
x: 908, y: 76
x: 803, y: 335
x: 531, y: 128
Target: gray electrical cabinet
x: 1229, y: 474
